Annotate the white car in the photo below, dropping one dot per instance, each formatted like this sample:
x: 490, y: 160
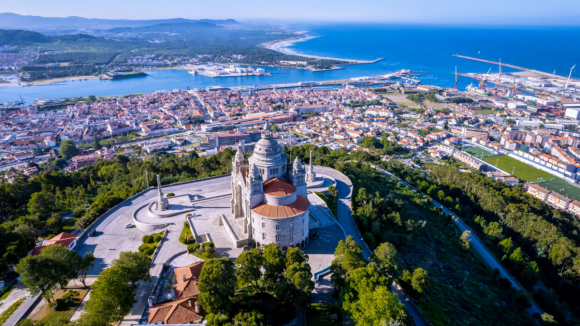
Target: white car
x: 129, y: 225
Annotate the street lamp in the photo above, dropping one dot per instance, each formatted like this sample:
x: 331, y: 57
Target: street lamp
x: 147, y: 178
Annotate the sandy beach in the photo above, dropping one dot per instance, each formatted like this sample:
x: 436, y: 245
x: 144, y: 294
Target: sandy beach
x: 50, y: 81
x: 282, y: 47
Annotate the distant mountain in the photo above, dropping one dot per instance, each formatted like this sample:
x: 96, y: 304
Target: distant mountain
x: 21, y: 37
x: 44, y: 24
x: 162, y: 28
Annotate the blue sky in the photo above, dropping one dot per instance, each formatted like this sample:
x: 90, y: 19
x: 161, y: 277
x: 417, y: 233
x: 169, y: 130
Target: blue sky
x: 517, y: 12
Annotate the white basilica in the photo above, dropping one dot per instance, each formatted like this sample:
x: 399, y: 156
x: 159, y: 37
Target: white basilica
x: 269, y: 198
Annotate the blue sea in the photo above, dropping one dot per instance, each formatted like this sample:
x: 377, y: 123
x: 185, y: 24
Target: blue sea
x: 421, y: 48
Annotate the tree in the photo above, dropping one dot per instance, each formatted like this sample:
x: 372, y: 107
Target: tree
x: 249, y: 265
x: 91, y: 98
x: 466, y: 239
x: 547, y: 319
x: 67, y: 149
x: 299, y: 274
x: 134, y: 265
x: 53, y: 267
x: 85, y: 266
x: 27, y: 232
x: 218, y: 320
x: 217, y: 285
x: 55, y: 223
x: 41, y: 204
x: 367, y: 299
x: 348, y: 256
x: 506, y: 246
x: 96, y: 142
x: 252, y: 318
x: 378, y: 307
x: 333, y: 191
x: 386, y: 260
x: 273, y: 265
x: 419, y: 280
x: 111, y: 296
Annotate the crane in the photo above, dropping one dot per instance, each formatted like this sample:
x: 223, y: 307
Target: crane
x: 456, y: 77
x: 499, y: 77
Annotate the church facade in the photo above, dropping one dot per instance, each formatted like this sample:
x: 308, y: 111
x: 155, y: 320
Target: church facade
x: 269, y: 197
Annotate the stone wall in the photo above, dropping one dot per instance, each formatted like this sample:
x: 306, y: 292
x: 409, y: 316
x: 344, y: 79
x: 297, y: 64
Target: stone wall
x: 291, y: 230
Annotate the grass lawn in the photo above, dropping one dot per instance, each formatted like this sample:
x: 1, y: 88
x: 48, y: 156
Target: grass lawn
x: 531, y: 174
x: 485, y: 111
x: 410, y: 104
x: 6, y: 291
x: 46, y: 314
x: 319, y: 315
x: 433, y: 104
x: 329, y: 200
x: 185, y: 233
x: 6, y: 314
x: 522, y: 170
x: 69, y: 225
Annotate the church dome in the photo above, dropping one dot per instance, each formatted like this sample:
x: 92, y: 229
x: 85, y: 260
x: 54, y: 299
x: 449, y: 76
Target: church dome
x: 267, y: 151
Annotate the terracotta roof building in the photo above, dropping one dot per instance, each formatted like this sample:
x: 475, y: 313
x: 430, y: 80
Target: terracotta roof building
x: 186, y: 279
x: 269, y: 197
x: 184, y: 311
x: 67, y: 240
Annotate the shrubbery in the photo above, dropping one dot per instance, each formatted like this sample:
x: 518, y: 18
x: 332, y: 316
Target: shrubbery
x: 204, y: 251
x: 170, y: 194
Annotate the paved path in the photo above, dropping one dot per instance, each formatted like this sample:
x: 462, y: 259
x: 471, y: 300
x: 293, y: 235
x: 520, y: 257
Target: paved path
x: 19, y: 292
x: 476, y: 243
x: 344, y: 212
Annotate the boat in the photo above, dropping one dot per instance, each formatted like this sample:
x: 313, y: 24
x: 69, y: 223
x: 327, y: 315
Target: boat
x: 476, y: 90
x: 192, y: 71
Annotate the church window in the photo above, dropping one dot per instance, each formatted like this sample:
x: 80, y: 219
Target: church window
x: 277, y: 226
x: 291, y: 225
x: 277, y: 238
x: 263, y: 225
x: 291, y: 237
x: 263, y: 236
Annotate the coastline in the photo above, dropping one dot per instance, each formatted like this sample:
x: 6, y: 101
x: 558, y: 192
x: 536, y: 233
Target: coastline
x: 282, y: 47
x: 48, y: 81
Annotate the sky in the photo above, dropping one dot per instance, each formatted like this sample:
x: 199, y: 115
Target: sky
x: 488, y: 12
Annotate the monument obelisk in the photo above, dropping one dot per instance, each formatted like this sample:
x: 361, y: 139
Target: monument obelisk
x: 162, y: 203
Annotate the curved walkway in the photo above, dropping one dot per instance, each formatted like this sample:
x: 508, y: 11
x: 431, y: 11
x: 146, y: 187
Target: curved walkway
x: 476, y: 242
x: 344, y: 212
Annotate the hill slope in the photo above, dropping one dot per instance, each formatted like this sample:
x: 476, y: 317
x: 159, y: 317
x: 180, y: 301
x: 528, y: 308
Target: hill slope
x: 37, y: 23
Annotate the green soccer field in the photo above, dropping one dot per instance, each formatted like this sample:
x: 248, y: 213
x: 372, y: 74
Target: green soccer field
x: 528, y: 173
x: 477, y: 151
x: 522, y: 170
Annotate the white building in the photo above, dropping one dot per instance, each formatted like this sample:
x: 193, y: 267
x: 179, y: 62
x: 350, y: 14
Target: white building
x: 269, y: 196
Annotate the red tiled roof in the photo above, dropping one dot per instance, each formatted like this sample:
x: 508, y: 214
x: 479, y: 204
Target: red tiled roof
x: 187, y: 288
x: 298, y: 207
x: 278, y: 187
x: 175, y: 312
x: 64, y: 239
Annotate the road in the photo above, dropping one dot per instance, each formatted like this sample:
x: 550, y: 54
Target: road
x: 344, y: 212
x: 477, y: 245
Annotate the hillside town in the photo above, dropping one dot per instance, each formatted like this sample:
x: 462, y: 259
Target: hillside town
x: 542, y: 136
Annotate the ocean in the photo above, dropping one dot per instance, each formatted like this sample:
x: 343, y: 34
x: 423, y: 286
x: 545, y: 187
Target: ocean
x: 421, y: 48
x: 430, y: 48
